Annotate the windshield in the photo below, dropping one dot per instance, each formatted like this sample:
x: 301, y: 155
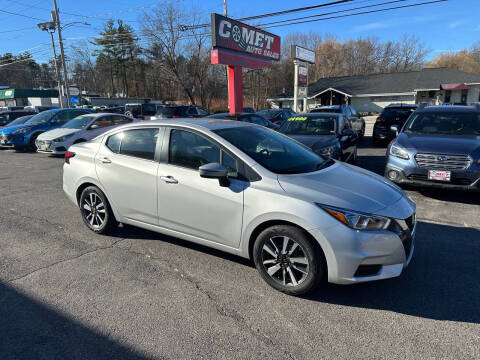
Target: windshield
x: 303, y: 125
x: 80, y: 122
x: 41, y: 118
x: 273, y: 151
x: 20, y: 120
x: 444, y: 123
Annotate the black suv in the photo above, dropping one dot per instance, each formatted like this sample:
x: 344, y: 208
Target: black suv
x: 392, y: 115
x: 356, y: 121
x: 8, y: 116
x: 179, y: 111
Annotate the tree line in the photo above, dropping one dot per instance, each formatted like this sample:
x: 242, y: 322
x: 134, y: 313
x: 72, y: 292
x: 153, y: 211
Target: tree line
x: 165, y: 61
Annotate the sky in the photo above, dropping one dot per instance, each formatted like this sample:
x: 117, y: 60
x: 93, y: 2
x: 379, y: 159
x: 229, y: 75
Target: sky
x: 446, y: 26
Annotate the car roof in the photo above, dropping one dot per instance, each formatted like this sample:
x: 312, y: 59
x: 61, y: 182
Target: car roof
x: 198, y: 123
x: 319, y: 114
x: 450, y: 109
x: 329, y: 107
x: 413, y: 106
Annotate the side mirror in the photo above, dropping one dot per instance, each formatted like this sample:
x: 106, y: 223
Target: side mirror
x: 215, y: 171
x: 394, y: 128
x: 94, y: 126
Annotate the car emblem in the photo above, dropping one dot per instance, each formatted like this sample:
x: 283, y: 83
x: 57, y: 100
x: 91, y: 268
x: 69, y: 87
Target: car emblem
x: 441, y: 158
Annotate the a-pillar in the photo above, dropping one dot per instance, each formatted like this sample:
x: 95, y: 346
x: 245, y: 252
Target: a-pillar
x: 235, y: 89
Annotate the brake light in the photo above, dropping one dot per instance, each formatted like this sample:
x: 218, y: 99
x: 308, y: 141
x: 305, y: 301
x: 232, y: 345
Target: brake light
x: 176, y: 116
x: 380, y: 119
x: 68, y: 156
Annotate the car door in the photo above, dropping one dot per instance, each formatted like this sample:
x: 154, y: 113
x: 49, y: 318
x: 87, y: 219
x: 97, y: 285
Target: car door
x: 126, y: 166
x: 193, y: 205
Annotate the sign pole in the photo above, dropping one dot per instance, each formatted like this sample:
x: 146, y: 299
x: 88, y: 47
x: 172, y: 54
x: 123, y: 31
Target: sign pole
x: 235, y: 89
x: 295, y: 87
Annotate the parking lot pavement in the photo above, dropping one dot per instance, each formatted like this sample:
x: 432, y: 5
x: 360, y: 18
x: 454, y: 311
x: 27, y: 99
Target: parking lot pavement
x: 68, y: 293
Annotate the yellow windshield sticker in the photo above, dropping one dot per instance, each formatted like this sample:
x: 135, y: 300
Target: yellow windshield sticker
x: 298, y: 118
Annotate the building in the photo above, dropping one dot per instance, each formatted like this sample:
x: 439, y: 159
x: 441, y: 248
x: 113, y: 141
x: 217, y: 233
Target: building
x: 371, y: 93
x: 28, y: 97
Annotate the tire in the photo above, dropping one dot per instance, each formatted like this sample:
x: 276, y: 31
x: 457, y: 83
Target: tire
x: 32, y: 146
x: 102, y: 211
x: 268, y: 248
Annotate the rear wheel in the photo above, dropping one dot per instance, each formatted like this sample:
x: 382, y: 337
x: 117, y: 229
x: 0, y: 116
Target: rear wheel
x: 96, y: 211
x: 288, y: 261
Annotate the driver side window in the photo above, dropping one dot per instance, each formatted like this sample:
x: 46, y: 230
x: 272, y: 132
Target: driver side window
x: 190, y: 150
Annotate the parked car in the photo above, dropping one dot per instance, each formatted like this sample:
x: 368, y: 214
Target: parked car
x: 179, y: 111
x: 80, y: 129
x: 276, y: 116
x: 246, y: 117
x: 249, y: 191
x: 357, y: 122
x: 438, y: 146
x: 249, y: 110
x: 391, y: 115
x: 328, y: 135
x: 141, y: 111
x: 23, y: 136
x: 6, y: 117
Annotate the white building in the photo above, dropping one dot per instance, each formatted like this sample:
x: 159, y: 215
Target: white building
x: 371, y: 93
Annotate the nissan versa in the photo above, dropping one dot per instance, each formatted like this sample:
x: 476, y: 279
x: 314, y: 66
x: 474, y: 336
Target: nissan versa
x: 438, y: 146
x: 246, y: 190
x: 23, y: 136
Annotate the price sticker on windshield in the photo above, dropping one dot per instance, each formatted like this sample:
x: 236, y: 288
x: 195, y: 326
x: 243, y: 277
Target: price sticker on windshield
x: 298, y: 118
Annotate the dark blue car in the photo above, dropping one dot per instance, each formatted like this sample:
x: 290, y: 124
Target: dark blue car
x: 23, y: 136
x: 438, y: 146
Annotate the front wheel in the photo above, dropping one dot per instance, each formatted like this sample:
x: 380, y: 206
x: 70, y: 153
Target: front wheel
x: 288, y: 261
x: 96, y: 211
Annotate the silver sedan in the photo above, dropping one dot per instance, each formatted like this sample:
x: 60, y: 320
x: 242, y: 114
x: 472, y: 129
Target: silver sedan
x: 249, y: 191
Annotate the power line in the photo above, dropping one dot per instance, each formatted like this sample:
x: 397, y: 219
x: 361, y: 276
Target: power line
x: 359, y: 13
x: 17, y: 14
x: 277, y: 13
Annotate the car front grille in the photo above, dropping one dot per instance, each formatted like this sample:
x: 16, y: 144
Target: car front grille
x: 405, y: 230
x: 443, y: 162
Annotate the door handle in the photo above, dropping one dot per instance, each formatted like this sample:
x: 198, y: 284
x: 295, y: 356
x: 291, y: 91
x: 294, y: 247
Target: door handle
x: 105, y: 160
x: 169, y: 179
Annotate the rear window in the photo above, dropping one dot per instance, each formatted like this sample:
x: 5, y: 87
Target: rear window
x: 401, y: 113
x: 327, y: 110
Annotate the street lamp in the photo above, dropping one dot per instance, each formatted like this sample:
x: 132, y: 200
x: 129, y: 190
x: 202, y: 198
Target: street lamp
x: 50, y: 28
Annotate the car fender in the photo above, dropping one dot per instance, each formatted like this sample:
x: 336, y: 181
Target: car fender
x: 284, y: 217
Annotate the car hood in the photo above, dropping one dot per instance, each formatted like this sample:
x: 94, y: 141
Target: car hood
x: 56, y: 133
x: 442, y: 144
x: 9, y: 129
x: 315, y: 141
x: 350, y: 187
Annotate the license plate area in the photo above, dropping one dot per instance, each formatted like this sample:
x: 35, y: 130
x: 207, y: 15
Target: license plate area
x: 439, y: 175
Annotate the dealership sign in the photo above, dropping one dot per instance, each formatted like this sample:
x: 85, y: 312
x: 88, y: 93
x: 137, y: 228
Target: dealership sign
x: 303, y: 54
x: 234, y: 35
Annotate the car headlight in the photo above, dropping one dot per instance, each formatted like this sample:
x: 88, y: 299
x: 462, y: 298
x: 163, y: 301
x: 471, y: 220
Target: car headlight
x: 357, y: 220
x: 399, y: 152
x: 328, y: 151
x: 63, y: 138
x: 21, y: 131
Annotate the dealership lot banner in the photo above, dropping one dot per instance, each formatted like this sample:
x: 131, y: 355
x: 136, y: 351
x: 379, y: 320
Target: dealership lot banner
x: 234, y: 35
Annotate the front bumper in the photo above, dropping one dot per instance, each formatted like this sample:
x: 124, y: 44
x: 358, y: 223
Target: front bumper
x: 361, y: 256
x: 50, y: 147
x: 9, y: 141
x: 409, y: 173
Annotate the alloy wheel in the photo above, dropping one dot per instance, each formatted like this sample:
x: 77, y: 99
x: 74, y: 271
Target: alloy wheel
x: 94, y: 210
x: 285, y: 261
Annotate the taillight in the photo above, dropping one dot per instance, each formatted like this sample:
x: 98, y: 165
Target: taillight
x: 380, y: 119
x: 68, y: 156
x: 176, y: 116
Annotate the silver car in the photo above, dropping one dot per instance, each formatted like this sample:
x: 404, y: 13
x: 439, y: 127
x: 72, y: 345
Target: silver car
x: 249, y: 191
x: 80, y: 129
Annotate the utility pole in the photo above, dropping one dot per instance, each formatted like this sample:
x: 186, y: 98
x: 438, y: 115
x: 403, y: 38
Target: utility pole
x: 50, y: 28
x: 59, y: 83
x: 62, y: 52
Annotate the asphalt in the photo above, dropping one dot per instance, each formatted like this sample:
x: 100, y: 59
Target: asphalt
x: 66, y: 293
